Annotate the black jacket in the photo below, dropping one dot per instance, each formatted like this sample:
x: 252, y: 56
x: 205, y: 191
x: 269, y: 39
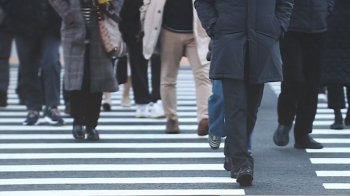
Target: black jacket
x: 130, y: 24
x: 309, y: 16
x: 30, y: 17
x: 238, y: 25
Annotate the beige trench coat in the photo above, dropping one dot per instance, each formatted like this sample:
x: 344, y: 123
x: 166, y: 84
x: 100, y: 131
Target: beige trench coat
x: 151, y: 24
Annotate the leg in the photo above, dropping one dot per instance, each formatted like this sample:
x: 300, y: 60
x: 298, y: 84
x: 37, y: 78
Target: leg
x: 107, y: 105
x: 290, y: 87
x: 157, y: 110
x: 336, y: 102
x: 203, y: 84
x: 93, y: 114
x: 347, y: 118
x: 6, y: 39
x: 172, y: 45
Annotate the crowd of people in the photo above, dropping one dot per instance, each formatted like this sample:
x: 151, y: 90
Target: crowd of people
x: 234, y: 47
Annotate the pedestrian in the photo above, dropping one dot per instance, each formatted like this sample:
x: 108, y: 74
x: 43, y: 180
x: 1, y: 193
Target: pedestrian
x: 336, y: 62
x: 173, y: 28
x: 301, y: 50
x: 245, y: 55
x: 88, y: 68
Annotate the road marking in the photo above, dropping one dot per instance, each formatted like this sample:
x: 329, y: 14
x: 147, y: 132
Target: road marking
x: 330, y: 160
x: 340, y: 173
x: 329, y: 150
x: 336, y: 185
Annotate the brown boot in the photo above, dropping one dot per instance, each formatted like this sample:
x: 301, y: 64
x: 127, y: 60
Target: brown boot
x: 172, y: 126
x: 203, y: 127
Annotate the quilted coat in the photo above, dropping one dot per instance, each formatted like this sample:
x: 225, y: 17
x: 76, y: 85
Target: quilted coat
x: 336, y: 65
x: 73, y: 31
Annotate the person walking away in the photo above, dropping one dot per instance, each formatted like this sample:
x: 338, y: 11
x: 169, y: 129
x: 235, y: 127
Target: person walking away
x: 336, y: 62
x: 301, y: 50
x: 245, y: 55
x: 168, y: 22
x: 88, y: 68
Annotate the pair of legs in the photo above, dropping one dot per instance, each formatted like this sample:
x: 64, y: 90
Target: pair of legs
x: 216, y: 110
x: 301, y: 56
x: 173, y: 47
x: 40, y: 56
x: 336, y: 101
x: 86, y: 106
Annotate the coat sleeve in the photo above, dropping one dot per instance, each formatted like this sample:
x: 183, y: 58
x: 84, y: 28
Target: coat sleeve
x: 62, y: 7
x: 143, y: 12
x: 284, y: 10
x: 207, y: 14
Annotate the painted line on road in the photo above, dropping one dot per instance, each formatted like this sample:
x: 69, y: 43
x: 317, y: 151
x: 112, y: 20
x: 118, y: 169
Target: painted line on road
x: 103, y: 145
x: 111, y: 155
x: 111, y: 167
x: 330, y: 160
x: 148, y: 180
x: 192, y: 192
x: 324, y: 150
x: 330, y: 132
x: 333, y: 140
x: 336, y: 185
x: 333, y: 173
x: 107, y: 120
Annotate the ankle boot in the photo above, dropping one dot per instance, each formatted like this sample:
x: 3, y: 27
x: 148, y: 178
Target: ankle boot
x: 338, y: 120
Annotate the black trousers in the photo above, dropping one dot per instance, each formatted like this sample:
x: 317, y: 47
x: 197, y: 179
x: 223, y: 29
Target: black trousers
x: 139, y: 73
x: 242, y: 101
x: 301, y: 56
x: 86, y: 106
x: 336, y: 98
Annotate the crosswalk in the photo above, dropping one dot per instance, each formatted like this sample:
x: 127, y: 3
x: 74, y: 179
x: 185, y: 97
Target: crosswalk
x: 133, y: 157
x: 332, y: 163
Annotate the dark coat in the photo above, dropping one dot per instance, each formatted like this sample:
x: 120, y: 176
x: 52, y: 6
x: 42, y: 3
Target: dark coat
x: 336, y: 64
x: 102, y: 77
x: 30, y: 18
x: 231, y: 24
x: 309, y: 16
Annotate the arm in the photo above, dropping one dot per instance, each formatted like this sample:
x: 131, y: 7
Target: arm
x: 284, y: 10
x: 207, y: 14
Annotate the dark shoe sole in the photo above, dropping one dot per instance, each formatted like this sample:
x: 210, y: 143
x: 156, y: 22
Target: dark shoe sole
x: 245, y: 180
x: 93, y: 138
x: 106, y: 107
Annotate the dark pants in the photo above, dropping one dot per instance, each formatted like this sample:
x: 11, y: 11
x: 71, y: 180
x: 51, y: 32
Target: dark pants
x: 86, y: 106
x: 336, y: 98
x: 66, y: 94
x: 35, y: 53
x: 6, y: 39
x: 242, y: 101
x: 301, y: 56
x: 139, y: 74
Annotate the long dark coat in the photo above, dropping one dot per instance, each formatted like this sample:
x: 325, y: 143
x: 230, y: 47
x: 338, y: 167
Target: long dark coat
x: 102, y: 77
x: 336, y: 64
x: 230, y: 23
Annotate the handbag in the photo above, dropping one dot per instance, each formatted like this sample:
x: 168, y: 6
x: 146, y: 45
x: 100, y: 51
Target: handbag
x: 111, y: 37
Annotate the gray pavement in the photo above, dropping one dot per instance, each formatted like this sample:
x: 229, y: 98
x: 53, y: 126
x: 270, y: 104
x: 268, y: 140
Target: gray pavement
x: 135, y: 157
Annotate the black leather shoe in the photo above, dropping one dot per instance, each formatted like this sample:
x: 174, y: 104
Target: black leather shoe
x: 281, y: 135
x: 92, y: 134
x: 307, y: 142
x: 245, y: 176
x: 78, y: 132
x: 229, y: 167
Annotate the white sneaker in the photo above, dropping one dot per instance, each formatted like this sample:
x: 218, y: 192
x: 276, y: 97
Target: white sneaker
x: 157, y: 110
x: 322, y: 97
x: 142, y: 111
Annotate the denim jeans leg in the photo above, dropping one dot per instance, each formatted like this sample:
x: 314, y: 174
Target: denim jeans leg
x: 216, y: 110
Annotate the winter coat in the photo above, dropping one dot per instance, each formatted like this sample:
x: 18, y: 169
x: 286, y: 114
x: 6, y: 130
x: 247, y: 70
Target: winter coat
x: 336, y: 62
x: 102, y: 77
x: 231, y: 24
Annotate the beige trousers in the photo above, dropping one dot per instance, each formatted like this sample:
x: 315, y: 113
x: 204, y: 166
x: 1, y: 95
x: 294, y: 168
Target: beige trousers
x: 173, y: 47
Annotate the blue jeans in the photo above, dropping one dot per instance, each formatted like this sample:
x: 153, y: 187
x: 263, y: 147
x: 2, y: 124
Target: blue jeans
x: 216, y: 110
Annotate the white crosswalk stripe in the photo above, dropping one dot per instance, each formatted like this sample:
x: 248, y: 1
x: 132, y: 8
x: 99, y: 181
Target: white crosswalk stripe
x: 336, y: 152
x: 133, y: 157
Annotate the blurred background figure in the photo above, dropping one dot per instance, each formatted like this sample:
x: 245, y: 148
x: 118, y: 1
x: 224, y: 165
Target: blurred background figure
x: 336, y: 65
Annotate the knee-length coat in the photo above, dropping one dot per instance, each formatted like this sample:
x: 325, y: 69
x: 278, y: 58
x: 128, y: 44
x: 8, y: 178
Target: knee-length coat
x: 231, y: 23
x: 73, y: 31
x: 336, y: 62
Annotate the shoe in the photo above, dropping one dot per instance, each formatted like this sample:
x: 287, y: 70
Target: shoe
x: 172, y: 127
x: 157, y: 110
x: 78, y: 132
x: 32, y: 118
x: 229, y: 167
x: 203, y: 127
x: 281, y: 135
x: 106, y: 107
x: 142, y: 111
x: 337, y: 126
x: 245, y: 176
x: 307, y: 142
x: 3, y: 98
x: 214, y: 141
x: 92, y: 134
x: 53, y: 116
x: 347, y: 118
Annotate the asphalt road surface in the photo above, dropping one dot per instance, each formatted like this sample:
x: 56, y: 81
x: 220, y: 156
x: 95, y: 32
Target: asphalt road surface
x: 135, y: 157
